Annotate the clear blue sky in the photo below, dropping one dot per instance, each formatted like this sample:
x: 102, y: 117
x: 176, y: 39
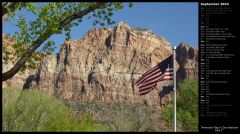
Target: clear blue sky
x: 177, y: 22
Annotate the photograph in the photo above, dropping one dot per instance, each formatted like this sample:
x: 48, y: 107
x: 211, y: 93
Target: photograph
x: 100, y: 66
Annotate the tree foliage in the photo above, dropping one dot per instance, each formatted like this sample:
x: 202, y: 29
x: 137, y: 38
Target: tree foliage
x: 49, y: 19
x: 33, y: 111
x: 187, y: 106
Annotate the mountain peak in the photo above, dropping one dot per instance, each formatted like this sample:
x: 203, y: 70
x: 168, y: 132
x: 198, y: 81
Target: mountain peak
x: 122, y: 24
x: 105, y: 64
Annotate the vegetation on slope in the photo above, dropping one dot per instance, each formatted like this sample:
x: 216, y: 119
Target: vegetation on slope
x: 120, y: 116
x: 33, y: 110
x: 187, y: 106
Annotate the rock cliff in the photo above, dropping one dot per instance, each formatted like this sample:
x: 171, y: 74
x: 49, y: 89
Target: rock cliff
x: 21, y: 79
x: 105, y: 64
x: 187, y: 57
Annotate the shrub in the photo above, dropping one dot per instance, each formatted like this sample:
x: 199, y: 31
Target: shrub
x: 119, y: 116
x: 187, y: 106
x: 34, y: 110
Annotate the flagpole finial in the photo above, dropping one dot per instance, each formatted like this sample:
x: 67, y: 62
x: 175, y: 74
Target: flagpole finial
x: 174, y: 47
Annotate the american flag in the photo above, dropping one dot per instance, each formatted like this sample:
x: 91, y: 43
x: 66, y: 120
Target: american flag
x: 162, y: 71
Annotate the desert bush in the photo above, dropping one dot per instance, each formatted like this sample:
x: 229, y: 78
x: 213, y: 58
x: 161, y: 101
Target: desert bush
x: 139, y: 31
x: 187, y: 106
x: 34, y: 110
x: 119, y: 116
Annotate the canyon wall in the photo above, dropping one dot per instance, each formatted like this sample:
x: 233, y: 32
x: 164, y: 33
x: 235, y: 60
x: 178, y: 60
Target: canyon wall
x: 105, y: 64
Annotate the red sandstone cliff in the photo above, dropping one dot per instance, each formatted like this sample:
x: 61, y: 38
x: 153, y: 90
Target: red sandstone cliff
x: 105, y: 63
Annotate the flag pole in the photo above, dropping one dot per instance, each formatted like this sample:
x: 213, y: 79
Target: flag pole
x: 174, y: 91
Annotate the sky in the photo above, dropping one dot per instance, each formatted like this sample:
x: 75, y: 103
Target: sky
x: 176, y: 21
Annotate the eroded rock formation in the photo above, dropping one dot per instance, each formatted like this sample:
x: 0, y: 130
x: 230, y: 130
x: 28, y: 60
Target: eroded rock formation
x: 105, y: 64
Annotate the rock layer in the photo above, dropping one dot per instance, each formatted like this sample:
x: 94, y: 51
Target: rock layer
x: 105, y: 64
x: 187, y: 57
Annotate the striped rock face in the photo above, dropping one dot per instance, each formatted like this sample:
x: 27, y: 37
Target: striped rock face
x: 105, y: 64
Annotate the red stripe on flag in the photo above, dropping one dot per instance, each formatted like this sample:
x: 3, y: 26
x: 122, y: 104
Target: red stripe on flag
x: 147, y: 86
x: 148, y: 72
x: 158, y: 73
x: 147, y: 91
x: 144, y: 93
x: 145, y: 76
x: 148, y: 75
x: 156, y: 76
x: 150, y: 82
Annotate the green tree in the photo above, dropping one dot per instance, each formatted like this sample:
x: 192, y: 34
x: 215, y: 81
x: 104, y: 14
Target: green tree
x: 34, y: 110
x: 51, y: 18
x: 187, y: 106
